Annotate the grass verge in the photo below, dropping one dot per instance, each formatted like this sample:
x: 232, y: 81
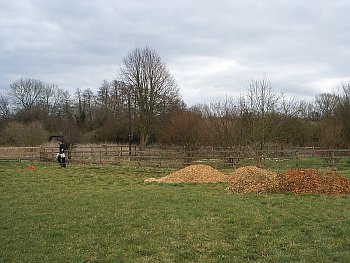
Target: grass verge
x: 108, y: 214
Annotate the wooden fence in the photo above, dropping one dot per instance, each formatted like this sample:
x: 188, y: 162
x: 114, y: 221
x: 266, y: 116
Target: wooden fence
x: 20, y: 153
x: 174, y: 156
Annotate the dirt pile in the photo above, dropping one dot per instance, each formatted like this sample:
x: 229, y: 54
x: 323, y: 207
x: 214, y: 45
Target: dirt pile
x: 198, y: 173
x: 251, y: 179
x: 300, y: 181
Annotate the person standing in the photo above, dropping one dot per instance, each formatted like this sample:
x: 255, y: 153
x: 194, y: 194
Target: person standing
x: 62, y: 155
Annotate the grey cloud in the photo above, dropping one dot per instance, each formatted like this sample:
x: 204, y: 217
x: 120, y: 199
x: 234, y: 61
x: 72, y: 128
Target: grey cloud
x: 213, y: 48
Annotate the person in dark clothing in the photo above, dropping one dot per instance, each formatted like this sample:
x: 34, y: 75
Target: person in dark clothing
x: 61, y: 157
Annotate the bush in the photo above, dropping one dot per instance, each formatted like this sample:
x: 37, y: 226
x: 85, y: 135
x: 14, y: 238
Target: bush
x: 24, y: 134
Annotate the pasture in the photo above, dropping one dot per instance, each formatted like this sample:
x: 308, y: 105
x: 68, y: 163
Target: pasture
x: 100, y: 213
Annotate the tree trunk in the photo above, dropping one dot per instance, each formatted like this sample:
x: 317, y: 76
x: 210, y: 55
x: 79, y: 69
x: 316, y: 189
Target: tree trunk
x: 144, y: 137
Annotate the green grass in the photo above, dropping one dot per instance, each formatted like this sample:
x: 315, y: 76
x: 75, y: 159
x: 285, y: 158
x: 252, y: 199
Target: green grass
x: 108, y: 214
x: 307, y: 162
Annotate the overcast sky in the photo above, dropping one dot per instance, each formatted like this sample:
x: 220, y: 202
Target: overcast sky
x: 212, y: 48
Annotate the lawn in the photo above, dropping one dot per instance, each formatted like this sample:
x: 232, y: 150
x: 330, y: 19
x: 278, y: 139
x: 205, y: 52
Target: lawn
x: 108, y: 214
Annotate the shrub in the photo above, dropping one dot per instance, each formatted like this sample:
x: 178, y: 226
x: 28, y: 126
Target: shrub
x: 24, y: 134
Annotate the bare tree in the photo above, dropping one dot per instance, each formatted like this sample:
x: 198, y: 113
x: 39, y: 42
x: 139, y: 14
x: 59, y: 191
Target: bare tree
x: 119, y: 98
x: 343, y: 112
x: 103, y: 96
x: 4, y: 107
x: 27, y: 92
x: 259, y: 109
x: 51, y: 99
x: 222, y: 123
x: 153, y: 91
x: 325, y: 104
x: 89, y: 100
x: 80, y: 111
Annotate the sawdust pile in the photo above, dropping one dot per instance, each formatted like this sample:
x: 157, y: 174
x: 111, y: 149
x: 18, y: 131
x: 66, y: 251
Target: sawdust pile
x: 251, y: 179
x: 198, y: 173
x: 299, y: 181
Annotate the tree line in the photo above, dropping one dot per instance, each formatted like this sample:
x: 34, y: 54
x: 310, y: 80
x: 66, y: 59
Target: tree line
x: 143, y: 105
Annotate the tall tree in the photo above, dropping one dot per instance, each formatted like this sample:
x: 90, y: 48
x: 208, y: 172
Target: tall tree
x: 27, y: 92
x: 259, y: 107
x: 343, y: 112
x: 152, y: 90
x: 4, y: 107
x: 103, y: 96
x: 80, y: 113
x: 325, y: 104
x: 52, y: 99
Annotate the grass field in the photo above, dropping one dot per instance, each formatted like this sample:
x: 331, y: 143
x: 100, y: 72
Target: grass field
x: 108, y: 214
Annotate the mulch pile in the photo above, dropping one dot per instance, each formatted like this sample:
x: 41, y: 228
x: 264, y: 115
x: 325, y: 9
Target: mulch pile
x: 198, y: 173
x: 300, y: 181
x: 251, y: 179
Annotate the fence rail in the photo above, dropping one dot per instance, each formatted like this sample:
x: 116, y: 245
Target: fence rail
x: 173, y: 156
x: 20, y: 153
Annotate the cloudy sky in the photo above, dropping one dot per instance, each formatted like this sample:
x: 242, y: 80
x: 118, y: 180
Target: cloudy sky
x: 212, y: 48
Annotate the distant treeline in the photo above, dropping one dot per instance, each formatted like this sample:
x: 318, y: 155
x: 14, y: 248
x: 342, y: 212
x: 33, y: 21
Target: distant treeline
x: 144, y: 106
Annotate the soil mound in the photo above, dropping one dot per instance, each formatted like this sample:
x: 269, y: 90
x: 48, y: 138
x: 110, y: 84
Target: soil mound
x: 198, y: 173
x: 300, y: 181
x: 251, y: 179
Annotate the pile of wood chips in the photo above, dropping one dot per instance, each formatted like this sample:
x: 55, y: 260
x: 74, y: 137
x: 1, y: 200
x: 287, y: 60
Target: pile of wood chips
x: 198, y: 173
x: 251, y: 179
x: 300, y: 181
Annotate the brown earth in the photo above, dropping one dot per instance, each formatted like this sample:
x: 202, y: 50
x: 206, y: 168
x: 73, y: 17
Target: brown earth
x: 198, y: 173
x: 300, y: 181
x: 251, y: 179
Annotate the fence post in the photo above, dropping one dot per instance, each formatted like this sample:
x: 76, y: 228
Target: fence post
x: 40, y: 153
x: 297, y: 158
x: 333, y: 161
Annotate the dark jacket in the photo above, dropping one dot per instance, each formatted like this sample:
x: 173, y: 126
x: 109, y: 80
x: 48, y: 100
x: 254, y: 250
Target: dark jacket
x: 62, y: 148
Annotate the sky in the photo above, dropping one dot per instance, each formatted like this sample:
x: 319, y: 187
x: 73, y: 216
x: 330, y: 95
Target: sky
x: 213, y: 49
